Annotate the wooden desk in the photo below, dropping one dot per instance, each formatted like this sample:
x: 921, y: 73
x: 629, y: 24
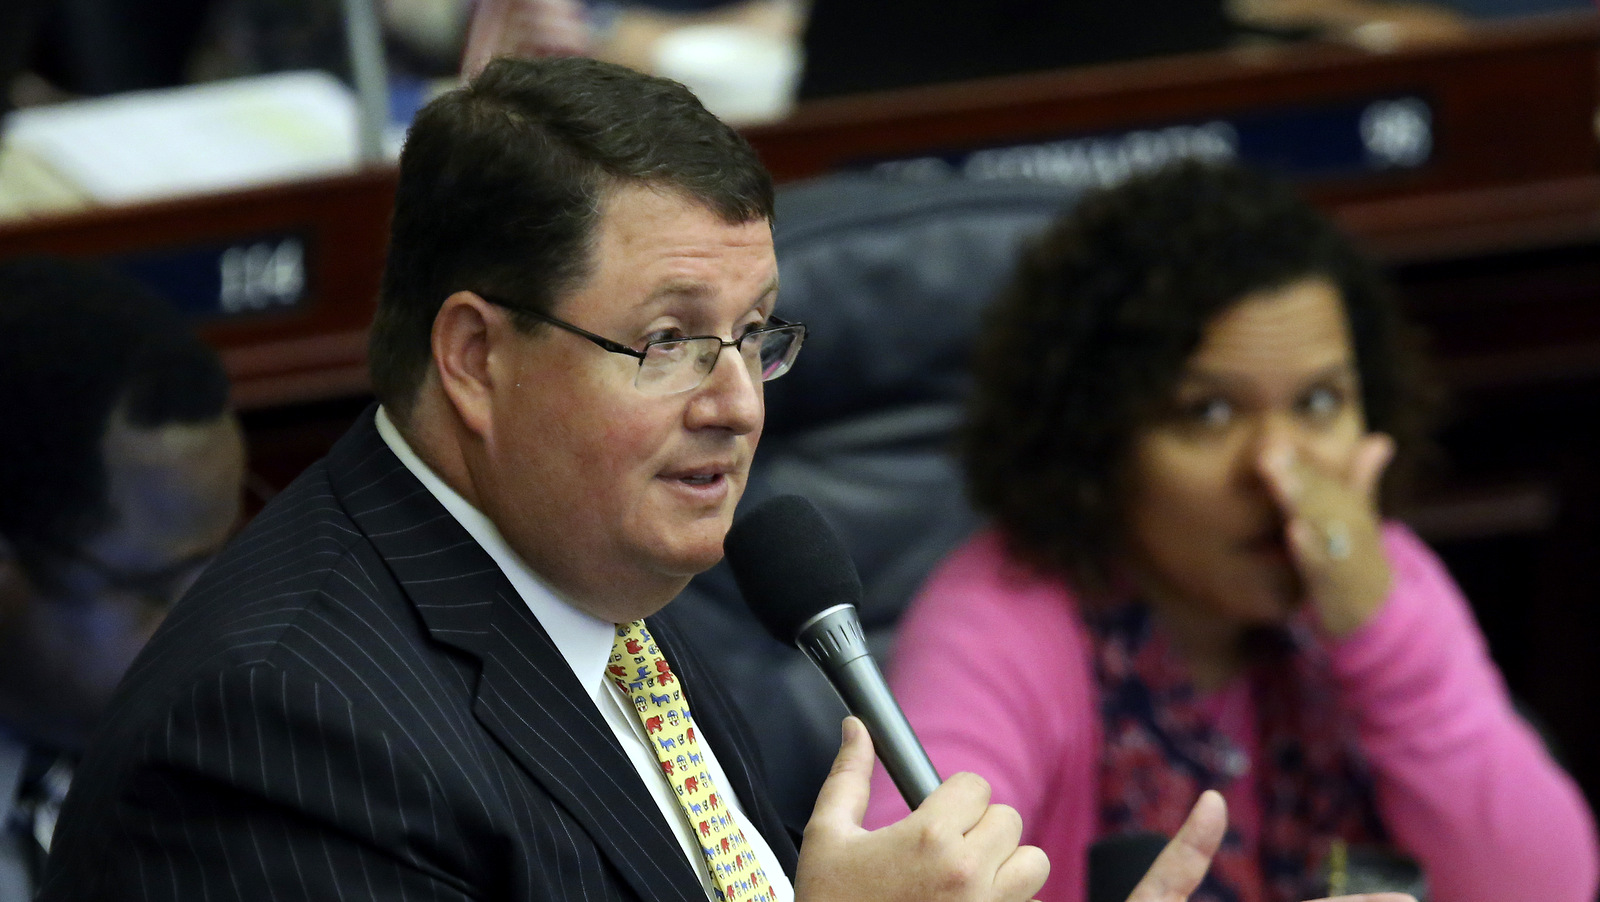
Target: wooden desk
x: 1512, y: 130
x: 302, y: 343
x: 1506, y: 171
x: 1512, y: 165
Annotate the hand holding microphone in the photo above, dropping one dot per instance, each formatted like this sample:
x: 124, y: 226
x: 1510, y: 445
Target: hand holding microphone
x: 800, y: 581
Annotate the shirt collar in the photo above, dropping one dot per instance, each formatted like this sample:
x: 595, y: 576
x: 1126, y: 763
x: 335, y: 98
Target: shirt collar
x: 583, y: 639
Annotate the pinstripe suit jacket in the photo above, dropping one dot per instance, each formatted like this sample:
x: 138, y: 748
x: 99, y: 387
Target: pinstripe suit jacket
x: 353, y: 703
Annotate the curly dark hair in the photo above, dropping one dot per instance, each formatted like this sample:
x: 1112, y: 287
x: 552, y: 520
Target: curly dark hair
x: 502, y: 182
x: 1084, y: 347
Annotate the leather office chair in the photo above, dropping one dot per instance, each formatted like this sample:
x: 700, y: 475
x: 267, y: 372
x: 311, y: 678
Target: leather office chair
x: 891, y: 278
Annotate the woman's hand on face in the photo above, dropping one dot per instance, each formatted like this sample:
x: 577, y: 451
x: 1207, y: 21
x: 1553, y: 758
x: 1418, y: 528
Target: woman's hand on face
x: 1332, y: 527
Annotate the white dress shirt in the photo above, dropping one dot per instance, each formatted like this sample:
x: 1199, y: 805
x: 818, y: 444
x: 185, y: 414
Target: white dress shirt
x: 585, y: 642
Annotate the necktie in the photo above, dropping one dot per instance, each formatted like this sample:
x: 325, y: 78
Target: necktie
x: 643, y: 675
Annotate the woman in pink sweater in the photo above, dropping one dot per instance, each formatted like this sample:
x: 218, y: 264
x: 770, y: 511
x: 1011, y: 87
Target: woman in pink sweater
x: 1185, y: 406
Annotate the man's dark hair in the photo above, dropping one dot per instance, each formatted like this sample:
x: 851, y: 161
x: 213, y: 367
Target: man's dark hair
x: 503, y: 181
x: 1085, y: 346
x: 77, y: 343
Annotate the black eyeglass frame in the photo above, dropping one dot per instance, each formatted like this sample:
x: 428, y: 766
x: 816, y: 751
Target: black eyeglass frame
x: 774, y: 324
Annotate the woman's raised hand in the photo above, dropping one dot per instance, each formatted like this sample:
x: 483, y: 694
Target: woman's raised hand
x: 1332, y: 526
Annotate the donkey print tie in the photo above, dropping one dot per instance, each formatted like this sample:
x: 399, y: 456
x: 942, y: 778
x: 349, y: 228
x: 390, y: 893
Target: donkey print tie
x: 643, y: 675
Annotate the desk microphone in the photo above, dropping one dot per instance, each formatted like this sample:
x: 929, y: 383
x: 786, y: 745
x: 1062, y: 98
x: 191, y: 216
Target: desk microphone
x: 802, y: 585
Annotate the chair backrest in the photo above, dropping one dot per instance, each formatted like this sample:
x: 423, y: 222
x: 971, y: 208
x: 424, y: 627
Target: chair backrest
x: 891, y: 278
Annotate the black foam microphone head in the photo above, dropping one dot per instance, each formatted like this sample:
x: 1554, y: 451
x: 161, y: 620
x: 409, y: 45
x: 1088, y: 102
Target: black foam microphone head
x: 790, y: 564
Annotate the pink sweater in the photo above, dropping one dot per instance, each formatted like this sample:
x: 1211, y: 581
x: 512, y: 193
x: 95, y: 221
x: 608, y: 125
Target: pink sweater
x: 993, y: 667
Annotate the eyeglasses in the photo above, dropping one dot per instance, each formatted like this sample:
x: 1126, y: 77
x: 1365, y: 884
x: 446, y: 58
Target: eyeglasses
x: 673, y: 365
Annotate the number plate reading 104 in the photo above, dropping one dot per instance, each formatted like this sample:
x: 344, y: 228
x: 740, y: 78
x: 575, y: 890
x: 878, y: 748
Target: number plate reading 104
x: 261, y: 274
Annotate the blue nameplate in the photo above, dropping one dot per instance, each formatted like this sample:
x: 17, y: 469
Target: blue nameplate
x: 249, y: 276
x: 1343, y: 140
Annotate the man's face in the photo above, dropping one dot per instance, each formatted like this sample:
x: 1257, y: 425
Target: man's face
x: 174, y: 499
x: 614, y: 496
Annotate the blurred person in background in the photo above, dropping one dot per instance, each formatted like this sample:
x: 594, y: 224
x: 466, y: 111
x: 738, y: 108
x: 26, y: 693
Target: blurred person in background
x: 740, y: 58
x: 625, y: 33
x: 434, y: 39
x: 1184, y: 406
x: 120, y: 474
x: 52, y: 50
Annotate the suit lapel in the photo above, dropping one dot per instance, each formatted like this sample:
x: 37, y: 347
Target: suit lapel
x: 527, y: 696
x: 532, y: 702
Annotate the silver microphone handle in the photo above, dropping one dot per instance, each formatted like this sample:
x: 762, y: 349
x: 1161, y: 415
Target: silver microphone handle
x: 835, y: 643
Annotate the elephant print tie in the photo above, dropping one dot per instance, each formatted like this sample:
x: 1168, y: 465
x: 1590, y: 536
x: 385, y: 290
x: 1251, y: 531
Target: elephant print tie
x: 642, y: 674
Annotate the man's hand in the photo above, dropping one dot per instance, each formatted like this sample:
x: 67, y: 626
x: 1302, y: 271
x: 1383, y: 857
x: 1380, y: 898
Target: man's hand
x: 1179, y: 868
x: 955, y: 847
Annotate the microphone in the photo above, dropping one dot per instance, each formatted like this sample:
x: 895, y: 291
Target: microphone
x: 802, y: 585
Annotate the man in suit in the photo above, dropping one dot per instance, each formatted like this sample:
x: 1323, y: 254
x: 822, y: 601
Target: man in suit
x: 394, y: 684
x: 120, y: 469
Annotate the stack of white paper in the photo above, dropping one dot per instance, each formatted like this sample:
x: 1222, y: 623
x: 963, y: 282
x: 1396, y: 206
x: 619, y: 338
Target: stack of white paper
x: 218, y: 136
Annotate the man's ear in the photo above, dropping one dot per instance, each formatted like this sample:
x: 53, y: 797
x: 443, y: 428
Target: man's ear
x: 464, y: 334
